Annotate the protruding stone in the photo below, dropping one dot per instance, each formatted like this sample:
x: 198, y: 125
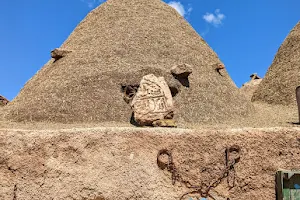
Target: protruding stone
x: 59, y: 53
x: 183, y: 70
x: 3, y: 101
x: 153, y: 101
x: 254, y: 76
x: 218, y: 66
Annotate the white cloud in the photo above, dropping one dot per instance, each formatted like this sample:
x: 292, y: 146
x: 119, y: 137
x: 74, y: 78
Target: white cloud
x: 180, y: 8
x: 214, y: 18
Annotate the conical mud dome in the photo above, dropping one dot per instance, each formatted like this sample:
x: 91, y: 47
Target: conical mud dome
x: 116, y: 45
x: 282, y: 78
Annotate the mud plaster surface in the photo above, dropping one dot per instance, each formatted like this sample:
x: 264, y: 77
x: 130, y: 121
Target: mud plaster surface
x: 120, y: 163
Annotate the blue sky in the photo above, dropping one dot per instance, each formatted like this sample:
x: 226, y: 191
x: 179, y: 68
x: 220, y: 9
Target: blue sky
x: 245, y: 34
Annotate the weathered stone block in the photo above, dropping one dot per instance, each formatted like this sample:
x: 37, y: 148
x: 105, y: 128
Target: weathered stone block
x: 153, y: 100
x: 183, y: 70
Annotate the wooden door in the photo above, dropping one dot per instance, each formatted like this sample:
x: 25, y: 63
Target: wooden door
x: 288, y: 185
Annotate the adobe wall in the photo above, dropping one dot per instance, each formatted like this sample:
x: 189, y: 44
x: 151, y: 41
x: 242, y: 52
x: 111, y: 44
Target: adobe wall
x: 120, y: 163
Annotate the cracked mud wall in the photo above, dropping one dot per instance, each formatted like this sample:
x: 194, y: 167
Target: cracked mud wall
x: 120, y: 163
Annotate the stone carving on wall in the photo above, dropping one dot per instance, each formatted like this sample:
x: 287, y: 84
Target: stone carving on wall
x: 153, y: 101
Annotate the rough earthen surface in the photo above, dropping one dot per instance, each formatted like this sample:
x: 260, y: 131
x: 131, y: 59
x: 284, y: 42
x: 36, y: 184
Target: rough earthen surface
x: 250, y: 87
x: 282, y: 78
x: 3, y: 101
x: 120, y: 163
x: 118, y: 43
x: 298, y: 100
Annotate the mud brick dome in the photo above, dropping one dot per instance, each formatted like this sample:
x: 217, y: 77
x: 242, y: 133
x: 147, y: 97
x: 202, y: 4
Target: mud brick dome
x: 282, y: 78
x: 115, y: 45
